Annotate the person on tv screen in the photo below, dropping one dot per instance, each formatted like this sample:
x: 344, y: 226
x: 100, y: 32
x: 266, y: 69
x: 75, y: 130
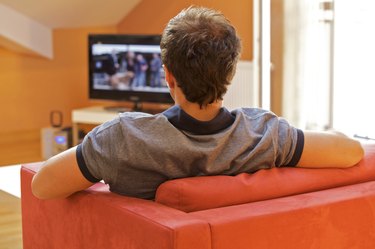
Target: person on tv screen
x: 155, y: 66
x: 140, y: 69
x: 136, y: 152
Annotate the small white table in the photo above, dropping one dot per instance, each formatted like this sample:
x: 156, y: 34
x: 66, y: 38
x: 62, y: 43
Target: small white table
x: 95, y: 115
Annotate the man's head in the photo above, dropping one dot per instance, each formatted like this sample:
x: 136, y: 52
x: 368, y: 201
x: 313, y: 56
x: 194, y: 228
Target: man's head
x: 200, y: 48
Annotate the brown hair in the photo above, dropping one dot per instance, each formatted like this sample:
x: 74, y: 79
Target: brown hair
x: 200, y: 48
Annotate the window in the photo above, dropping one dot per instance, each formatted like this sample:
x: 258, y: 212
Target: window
x: 329, y: 79
x: 354, y: 68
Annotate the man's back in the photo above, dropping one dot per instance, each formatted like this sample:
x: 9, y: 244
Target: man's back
x: 146, y: 150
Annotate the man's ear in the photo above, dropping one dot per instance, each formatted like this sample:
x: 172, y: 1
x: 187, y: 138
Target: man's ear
x: 169, y: 78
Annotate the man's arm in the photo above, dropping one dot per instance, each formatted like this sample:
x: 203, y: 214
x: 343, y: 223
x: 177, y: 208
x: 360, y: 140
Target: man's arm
x: 59, y: 177
x: 329, y: 150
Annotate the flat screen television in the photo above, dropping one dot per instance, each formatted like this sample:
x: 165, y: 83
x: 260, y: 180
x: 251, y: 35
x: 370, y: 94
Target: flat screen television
x: 126, y: 68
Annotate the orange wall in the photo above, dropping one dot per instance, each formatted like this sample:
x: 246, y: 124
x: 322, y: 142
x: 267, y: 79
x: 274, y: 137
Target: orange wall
x: 30, y: 86
x: 151, y: 16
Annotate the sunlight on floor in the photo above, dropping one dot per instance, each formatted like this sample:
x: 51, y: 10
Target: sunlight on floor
x: 10, y: 180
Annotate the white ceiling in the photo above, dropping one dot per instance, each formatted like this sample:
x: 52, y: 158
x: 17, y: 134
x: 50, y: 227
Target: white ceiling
x: 73, y: 13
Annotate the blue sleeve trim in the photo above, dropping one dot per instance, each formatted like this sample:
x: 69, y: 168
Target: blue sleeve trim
x: 299, y: 148
x: 83, y: 167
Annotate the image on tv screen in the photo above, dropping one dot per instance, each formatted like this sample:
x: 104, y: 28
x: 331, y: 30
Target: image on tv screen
x: 127, y: 67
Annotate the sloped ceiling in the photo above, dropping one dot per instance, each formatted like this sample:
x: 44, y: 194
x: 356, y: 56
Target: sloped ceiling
x: 34, y: 16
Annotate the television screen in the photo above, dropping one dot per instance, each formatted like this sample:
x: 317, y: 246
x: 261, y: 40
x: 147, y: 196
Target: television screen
x: 127, y: 67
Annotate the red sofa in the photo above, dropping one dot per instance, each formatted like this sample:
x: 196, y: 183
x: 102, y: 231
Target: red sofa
x: 276, y: 208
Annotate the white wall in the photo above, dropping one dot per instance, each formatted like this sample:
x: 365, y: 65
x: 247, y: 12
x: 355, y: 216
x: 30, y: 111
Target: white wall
x: 242, y: 92
x: 22, y: 34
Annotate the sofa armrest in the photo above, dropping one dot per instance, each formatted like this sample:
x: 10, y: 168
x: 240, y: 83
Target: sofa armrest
x: 207, y: 192
x: 97, y: 218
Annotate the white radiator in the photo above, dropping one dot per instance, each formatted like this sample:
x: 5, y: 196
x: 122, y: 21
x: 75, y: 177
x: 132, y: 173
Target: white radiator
x: 242, y: 92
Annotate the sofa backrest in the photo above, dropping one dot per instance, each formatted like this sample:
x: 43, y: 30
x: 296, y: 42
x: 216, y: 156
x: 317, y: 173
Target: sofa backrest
x: 207, y: 192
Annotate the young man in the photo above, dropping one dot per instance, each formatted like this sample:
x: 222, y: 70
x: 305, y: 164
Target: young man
x: 136, y: 152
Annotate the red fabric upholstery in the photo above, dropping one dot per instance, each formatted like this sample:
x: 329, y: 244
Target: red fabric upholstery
x: 342, y: 217
x: 206, y: 192
x: 330, y: 219
x: 97, y: 218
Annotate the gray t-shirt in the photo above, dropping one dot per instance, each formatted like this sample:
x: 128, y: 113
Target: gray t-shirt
x: 136, y: 152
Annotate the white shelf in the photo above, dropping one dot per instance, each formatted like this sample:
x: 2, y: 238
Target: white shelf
x: 93, y: 115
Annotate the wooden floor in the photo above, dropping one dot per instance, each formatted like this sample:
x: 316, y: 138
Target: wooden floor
x: 15, y: 148
x: 10, y: 222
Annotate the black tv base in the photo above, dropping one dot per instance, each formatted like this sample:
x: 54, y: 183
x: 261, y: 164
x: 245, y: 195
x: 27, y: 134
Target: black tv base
x: 137, y: 107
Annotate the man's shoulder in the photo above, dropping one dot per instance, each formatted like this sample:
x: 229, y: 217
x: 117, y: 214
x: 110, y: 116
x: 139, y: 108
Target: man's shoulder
x: 253, y: 113
x: 126, y: 119
x: 255, y: 119
x: 143, y: 121
x: 135, y: 115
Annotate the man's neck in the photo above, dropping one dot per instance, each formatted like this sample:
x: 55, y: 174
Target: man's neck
x: 206, y: 113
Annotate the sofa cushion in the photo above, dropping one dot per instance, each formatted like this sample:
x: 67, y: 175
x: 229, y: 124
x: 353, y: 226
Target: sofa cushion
x: 206, y: 192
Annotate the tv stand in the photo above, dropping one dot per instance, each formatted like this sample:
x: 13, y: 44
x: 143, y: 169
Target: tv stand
x: 137, y: 107
x: 117, y: 109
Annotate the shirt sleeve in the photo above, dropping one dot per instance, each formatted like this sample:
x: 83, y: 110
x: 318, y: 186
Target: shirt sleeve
x: 83, y: 167
x: 96, y: 153
x: 290, y: 143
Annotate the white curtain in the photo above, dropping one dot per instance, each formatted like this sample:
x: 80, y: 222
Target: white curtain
x: 354, y: 95
x: 307, y: 58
